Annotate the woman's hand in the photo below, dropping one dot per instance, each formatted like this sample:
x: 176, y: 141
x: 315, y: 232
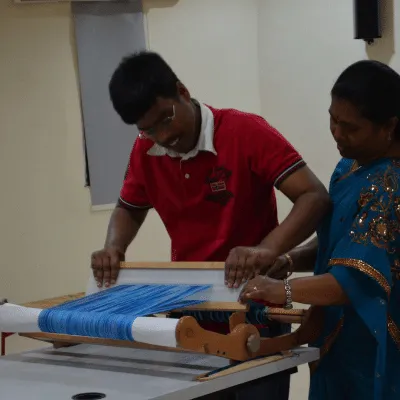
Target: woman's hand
x: 263, y: 288
x: 319, y: 290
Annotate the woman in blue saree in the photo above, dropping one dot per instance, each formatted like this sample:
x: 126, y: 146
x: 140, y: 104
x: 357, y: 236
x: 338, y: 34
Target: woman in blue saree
x: 356, y: 256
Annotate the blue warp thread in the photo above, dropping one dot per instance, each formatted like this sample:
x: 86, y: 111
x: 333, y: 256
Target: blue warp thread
x: 109, y: 314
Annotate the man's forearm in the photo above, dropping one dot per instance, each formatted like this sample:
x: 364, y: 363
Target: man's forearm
x: 123, y: 227
x: 304, y: 257
x: 300, y: 224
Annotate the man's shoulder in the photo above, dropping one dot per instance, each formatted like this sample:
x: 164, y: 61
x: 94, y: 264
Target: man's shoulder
x: 240, y: 123
x: 234, y: 115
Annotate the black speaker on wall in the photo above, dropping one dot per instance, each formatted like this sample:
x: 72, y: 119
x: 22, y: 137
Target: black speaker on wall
x: 367, y: 20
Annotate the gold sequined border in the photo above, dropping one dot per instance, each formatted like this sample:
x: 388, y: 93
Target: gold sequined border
x: 329, y: 340
x: 394, y: 331
x: 365, y: 268
x: 331, y: 337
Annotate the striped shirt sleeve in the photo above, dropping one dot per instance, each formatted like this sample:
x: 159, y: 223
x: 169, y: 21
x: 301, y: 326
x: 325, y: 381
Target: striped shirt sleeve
x: 133, y: 192
x: 273, y: 157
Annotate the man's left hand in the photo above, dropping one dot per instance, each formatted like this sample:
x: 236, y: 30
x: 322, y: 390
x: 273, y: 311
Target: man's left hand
x: 244, y: 263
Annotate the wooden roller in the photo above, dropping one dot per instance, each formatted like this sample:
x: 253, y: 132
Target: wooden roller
x: 244, y: 341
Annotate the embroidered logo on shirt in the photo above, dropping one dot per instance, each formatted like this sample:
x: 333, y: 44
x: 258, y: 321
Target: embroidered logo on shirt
x: 217, y: 181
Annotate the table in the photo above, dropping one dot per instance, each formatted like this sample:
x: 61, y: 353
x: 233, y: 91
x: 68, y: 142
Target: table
x: 124, y: 373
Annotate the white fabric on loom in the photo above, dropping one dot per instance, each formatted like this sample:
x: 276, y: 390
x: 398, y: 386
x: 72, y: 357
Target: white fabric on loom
x: 218, y: 291
x: 18, y: 319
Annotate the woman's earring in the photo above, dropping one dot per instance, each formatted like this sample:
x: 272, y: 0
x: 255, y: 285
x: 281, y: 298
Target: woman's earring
x: 140, y: 136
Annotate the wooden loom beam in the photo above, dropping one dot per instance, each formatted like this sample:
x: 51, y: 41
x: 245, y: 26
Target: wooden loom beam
x: 173, y: 265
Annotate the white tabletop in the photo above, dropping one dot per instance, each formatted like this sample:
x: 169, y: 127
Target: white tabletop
x: 124, y: 374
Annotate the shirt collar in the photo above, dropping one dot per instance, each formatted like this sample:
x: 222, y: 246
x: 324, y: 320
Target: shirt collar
x: 205, y: 142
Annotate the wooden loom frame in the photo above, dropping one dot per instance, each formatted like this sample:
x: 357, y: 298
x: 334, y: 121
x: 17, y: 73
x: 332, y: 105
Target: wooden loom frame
x: 243, y: 343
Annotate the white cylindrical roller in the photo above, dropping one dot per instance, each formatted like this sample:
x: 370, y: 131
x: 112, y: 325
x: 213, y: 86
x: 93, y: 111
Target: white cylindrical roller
x: 19, y: 319
x: 150, y: 330
x: 155, y: 331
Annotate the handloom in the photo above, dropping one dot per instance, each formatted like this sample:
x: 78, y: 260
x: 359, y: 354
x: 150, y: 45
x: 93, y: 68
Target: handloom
x: 134, y: 313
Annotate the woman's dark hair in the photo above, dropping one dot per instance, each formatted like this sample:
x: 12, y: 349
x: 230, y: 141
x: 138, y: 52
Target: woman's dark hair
x: 137, y: 82
x: 374, y: 88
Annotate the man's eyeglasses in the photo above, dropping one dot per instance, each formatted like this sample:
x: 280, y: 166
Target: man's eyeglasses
x: 160, y: 126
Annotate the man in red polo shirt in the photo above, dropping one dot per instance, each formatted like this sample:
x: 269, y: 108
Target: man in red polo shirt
x: 210, y: 174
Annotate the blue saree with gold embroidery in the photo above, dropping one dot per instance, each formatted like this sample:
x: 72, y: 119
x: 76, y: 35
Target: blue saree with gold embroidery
x: 359, y: 244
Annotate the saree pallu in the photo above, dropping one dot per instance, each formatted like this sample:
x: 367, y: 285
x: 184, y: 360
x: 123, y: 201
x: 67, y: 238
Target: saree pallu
x: 359, y: 244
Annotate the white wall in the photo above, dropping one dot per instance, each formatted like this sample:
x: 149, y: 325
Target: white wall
x: 212, y: 45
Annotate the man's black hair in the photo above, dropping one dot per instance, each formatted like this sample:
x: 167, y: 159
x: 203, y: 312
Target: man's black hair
x: 374, y: 88
x: 137, y: 82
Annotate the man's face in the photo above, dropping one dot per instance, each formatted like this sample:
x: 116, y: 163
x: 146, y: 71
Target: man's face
x: 171, y: 122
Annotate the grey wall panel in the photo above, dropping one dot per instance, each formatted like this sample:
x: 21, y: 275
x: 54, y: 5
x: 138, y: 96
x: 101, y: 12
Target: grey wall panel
x: 105, y: 32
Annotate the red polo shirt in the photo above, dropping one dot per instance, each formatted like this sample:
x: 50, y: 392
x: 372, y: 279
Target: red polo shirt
x: 214, y: 202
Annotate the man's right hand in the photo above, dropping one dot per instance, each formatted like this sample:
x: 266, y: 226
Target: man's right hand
x: 106, y: 265
x: 279, y: 269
